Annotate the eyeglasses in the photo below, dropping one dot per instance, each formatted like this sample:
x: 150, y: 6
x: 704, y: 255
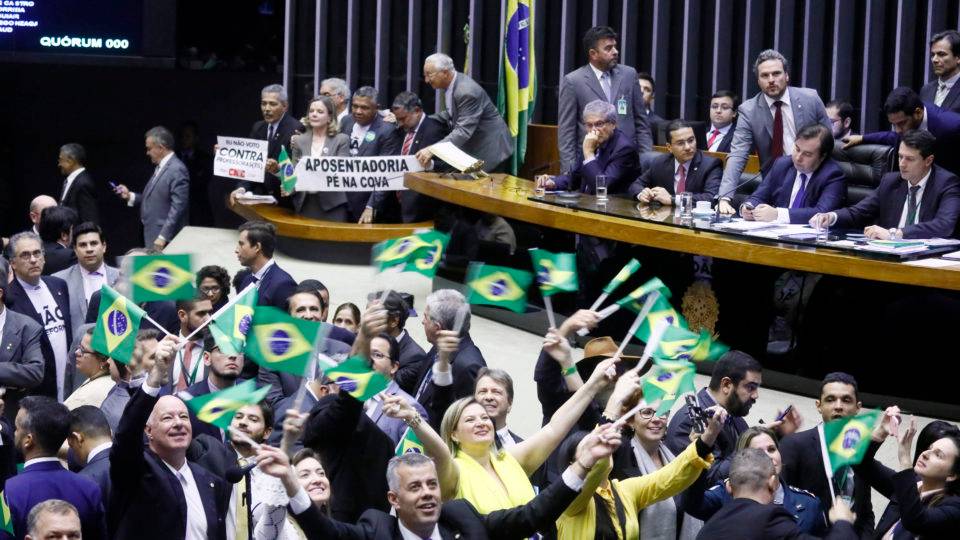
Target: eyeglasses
x: 83, y: 351
x: 210, y: 290
x: 647, y: 413
x: 27, y: 255
x: 720, y: 107
x: 377, y: 355
x: 595, y: 125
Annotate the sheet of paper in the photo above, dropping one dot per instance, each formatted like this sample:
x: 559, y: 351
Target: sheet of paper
x: 455, y: 157
x: 744, y: 225
x: 934, y: 263
x: 248, y: 199
x: 942, y: 242
x: 955, y: 255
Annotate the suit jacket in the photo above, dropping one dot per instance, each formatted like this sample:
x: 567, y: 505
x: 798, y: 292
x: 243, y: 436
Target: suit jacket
x: 82, y: 197
x: 325, y: 204
x: 616, y: 158
x: 415, y: 207
x: 98, y: 470
x: 678, y: 437
x: 950, y: 103
x: 147, y: 500
x: 354, y: 452
x: 394, y: 427
x: 703, y: 176
x: 49, y: 480
x: 754, y: 130
x: 474, y: 123
x: 274, y: 288
x: 78, y: 300
x: 580, y: 87
x: 165, y: 202
x: 384, y: 142
x: 17, y: 300
x: 284, y: 385
x: 57, y: 258
x: 746, y: 519
x: 458, y: 520
x: 22, y: 362
x: 803, y: 467
x: 412, y: 357
x: 286, y: 127
x: 942, y: 124
x: 939, y: 206
x: 9, y: 455
x: 465, y: 364
x: 825, y: 191
x: 307, y: 405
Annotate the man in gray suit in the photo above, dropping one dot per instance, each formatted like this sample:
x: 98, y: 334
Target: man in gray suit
x: 475, y: 125
x: 769, y: 121
x: 166, y: 197
x: 601, y: 78
x: 89, y: 274
x: 21, y: 361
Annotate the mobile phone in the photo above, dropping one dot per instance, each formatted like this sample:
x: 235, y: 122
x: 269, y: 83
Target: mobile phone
x: 784, y: 414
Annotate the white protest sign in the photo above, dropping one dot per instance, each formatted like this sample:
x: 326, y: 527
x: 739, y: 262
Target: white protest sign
x: 382, y: 173
x: 240, y: 159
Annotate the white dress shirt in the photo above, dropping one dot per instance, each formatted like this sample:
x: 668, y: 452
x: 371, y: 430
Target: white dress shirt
x: 407, y: 534
x: 258, y: 275
x: 3, y: 321
x: 783, y: 214
x: 789, y: 128
x: 506, y: 439
x: 943, y: 88
x: 93, y: 281
x: 196, y: 517
x: 195, y: 361
x: 105, y: 447
x: 69, y: 182
x: 156, y: 173
x: 906, y: 201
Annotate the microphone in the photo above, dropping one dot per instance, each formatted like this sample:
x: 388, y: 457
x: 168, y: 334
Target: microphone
x: 235, y: 474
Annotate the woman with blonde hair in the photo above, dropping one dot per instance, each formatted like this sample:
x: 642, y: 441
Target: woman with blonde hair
x: 322, y: 139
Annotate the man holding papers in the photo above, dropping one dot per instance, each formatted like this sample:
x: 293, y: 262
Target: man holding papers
x: 921, y: 201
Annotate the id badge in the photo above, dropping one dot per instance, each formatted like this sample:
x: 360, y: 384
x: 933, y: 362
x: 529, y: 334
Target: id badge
x: 622, y: 105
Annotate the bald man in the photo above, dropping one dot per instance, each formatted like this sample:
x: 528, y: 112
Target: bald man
x: 146, y: 501
x: 37, y: 206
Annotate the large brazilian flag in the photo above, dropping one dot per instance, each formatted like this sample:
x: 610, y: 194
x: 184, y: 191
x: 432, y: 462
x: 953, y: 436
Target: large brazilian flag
x: 517, y: 94
x: 161, y: 277
x: 219, y: 408
x: 118, y: 322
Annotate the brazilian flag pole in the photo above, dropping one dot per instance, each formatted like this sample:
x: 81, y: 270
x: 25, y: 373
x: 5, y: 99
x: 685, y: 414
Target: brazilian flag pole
x: 644, y: 311
x: 517, y: 94
x: 226, y: 308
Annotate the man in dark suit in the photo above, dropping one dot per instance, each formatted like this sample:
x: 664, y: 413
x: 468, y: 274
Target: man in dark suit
x: 55, y: 229
x: 90, y: 440
x: 906, y: 112
x: 165, y: 201
x: 494, y: 390
x: 605, y: 79
x: 945, y: 60
x: 369, y: 136
x: 802, y: 457
x: 223, y: 370
x: 800, y: 185
x: 606, y: 151
x: 723, y: 118
x: 79, y: 192
x: 684, y: 169
x: 769, y: 121
x: 416, y: 131
x: 21, y: 358
x: 752, y: 516
x: 920, y: 201
x: 649, y: 89
x: 277, y: 126
x: 411, y: 353
x: 157, y: 493
x: 414, y: 495
x: 41, y: 427
x: 46, y: 300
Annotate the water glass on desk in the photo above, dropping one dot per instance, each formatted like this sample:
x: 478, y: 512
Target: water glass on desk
x: 540, y: 185
x: 686, y: 204
x: 601, y: 188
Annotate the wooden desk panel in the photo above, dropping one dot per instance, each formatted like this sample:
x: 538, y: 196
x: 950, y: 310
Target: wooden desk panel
x: 506, y: 196
x: 291, y: 225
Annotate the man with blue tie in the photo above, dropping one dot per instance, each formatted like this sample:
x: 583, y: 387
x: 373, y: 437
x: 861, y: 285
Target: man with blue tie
x: 42, y: 425
x: 922, y: 200
x: 801, y: 185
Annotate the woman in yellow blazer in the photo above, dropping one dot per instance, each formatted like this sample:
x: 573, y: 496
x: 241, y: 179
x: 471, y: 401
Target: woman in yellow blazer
x: 622, y: 500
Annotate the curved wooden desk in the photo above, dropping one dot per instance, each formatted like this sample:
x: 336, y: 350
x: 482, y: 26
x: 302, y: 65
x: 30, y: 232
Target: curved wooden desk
x: 506, y: 196
x: 291, y: 225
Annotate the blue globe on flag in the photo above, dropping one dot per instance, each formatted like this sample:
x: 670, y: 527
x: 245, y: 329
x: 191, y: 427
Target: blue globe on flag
x: 279, y: 342
x: 117, y: 323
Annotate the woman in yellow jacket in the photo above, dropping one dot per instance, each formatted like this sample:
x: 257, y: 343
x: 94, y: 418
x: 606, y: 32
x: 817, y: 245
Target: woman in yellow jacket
x: 621, y: 501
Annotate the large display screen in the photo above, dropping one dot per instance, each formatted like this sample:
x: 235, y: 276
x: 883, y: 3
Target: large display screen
x: 74, y: 27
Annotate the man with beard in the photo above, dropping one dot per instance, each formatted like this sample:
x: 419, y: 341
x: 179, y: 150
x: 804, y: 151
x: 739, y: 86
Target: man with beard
x: 223, y: 368
x: 735, y: 386
x: 188, y: 367
x: 255, y: 490
x: 802, y: 458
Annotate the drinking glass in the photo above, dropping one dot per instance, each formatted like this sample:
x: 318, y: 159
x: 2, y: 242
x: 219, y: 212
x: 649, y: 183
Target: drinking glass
x: 601, y: 188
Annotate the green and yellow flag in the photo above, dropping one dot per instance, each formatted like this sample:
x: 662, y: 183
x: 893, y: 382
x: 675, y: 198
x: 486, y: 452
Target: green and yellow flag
x: 220, y: 407
x: 421, y: 252
x: 635, y: 300
x: 118, y: 322
x: 161, y: 277
x: 498, y: 286
x: 409, y: 443
x: 288, y: 179
x: 232, y: 322
x: 622, y: 276
x: 845, y: 441
x: 517, y: 94
x: 679, y: 343
x: 357, y: 378
x: 280, y: 342
x: 667, y: 381
x: 6, y: 519
x: 556, y: 272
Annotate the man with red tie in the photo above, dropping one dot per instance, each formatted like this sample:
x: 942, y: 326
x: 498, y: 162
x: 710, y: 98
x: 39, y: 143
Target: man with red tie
x: 723, y: 117
x: 188, y: 361
x: 416, y: 130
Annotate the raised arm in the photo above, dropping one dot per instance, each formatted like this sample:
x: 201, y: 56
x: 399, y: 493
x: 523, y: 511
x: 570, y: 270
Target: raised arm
x: 433, y: 445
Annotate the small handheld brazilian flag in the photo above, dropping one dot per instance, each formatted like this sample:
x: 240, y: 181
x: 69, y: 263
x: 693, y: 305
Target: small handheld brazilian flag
x: 280, y: 342
x: 667, y: 381
x: 845, y: 441
x: 288, y: 178
x: 161, y: 277
x: 118, y: 322
x: 556, y: 272
x: 498, y: 286
x: 421, y: 252
x: 231, y: 323
x: 6, y: 519
x: 220, y: 407
x: 634, y: 301
x: 409, y: 443
x: 357, y: 378
x: 622, y: 276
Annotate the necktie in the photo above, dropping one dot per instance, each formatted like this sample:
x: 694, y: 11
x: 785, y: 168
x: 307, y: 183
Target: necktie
x: 912, y: 206
x: 187, y: 358
x: 270, y: 131
x: 713, y: 137
x: 776, y: 146
x: 407, y: 143
x: 798, y: 200
x: 63, y: 192
x: 681, y: 179
x: 941, y: 94
x: 605, y: 84
x: 426, y: 380
x: 243, y: 522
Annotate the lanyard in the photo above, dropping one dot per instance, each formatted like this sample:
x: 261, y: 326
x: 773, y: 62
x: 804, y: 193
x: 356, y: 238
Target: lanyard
x: 183, y: 368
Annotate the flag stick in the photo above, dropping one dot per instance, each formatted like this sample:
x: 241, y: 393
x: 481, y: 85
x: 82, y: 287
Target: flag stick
x: 462, y: 312
x: 655, y: 335
x: 626, y: 417
x: 245, y: 439
x: 644, y: 311
x: 826, y: 463
x: 159, y: 326
x: 548, y: 304
x: 600, y: 299
x: 221, y: 311
x: 601, y: 315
